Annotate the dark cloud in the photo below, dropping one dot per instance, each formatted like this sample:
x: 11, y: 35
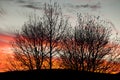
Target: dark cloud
x: 2, y: 12
x: 21, y: 1
x: 29, y: 4
x: 32, y: 6
x: 91, y: 6
x: 95, y: 6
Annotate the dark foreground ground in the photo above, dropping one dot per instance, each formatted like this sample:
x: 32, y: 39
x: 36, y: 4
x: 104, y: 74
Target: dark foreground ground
x: 56, y: 75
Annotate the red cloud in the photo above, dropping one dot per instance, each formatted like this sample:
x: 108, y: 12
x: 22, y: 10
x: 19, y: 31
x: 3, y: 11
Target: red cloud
x: 5, y: 39
x: 5, y: 49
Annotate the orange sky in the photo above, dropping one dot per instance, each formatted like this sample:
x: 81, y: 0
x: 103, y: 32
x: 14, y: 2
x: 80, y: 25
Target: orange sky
x: 5, y: 45
x: 5, y: 50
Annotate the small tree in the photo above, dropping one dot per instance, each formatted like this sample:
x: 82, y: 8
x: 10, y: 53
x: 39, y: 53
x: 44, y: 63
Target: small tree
x: 30, y: 45
x: 88, y: 46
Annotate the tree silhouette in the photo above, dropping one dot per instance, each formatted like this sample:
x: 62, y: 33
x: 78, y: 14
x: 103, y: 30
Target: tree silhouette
x: 56, y: 26
x: 87, y: 47
x: 30, y: 45
x: 39, y: 39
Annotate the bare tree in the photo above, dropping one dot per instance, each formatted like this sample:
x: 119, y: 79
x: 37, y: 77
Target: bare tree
x: 30, y: 45
x: 39, y: 39
x: 56, y: 26
x: 87, y: 47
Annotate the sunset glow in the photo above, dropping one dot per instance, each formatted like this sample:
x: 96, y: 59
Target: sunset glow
x: 38, y: 48
x: 5, y: 50
x: 6, y: 53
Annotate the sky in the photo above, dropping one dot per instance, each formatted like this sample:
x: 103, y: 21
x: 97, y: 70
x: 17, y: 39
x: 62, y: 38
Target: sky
x: 13, y: 14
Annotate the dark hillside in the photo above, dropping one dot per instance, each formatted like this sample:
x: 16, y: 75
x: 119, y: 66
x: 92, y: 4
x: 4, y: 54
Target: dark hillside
x: 56, y: 75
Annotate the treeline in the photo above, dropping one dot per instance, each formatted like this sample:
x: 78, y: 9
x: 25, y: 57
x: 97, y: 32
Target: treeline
x: 85, y: 47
